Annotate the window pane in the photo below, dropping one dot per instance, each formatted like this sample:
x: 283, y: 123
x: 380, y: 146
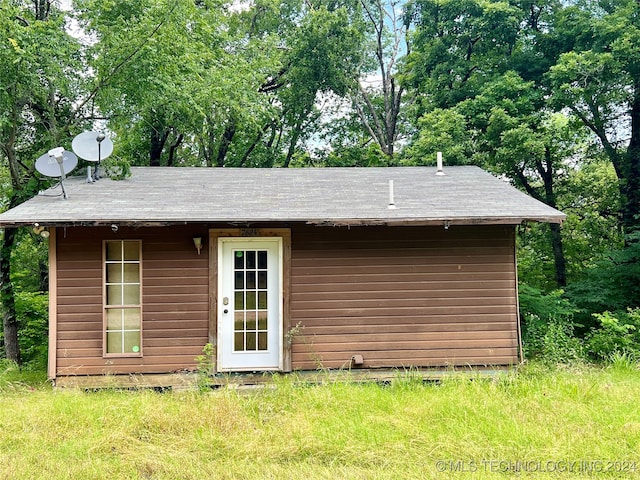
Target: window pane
x: 114, y: 294
x: 132, y: 342
x: 262, y: 300
x: 114, y: 342
x: 239, y: 260
x: 114, y: 250
x: 262, y: 320
x: 131, y: 294
x: 239, y: 322
x: 251, y: 320
x: 262, y: 260
x: 262, y: 341
x: 251, y: 300
x: 251, y: 260
x: 251, y: 341
x: 262, y: 279
x: 131, y: 272
x: 132, y: 250
x: 114, y: 319
x: 239, y: 281
x: 131, y: 317
x: 238, y: 342
x: 114, y: 272
x: 239, y: 301
x: 251, y: 280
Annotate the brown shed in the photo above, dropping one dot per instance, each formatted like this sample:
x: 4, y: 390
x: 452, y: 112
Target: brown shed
x: 282, y: 269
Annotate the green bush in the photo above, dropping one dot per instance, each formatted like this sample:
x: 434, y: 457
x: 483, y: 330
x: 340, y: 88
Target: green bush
x: 611, y: 284
x: 551, y: 340
x: 33, y: 313
x: 548, y: 329
x: 618, y: 333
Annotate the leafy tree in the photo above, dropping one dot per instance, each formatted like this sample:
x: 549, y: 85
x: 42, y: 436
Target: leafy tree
x: 41, y: 80
x: 478, y: 107
x: 599, y: 82
x: 457, y: 46
x: 324, y: 55
x: 378, y: 95
x: 219, y: 86
x: 146, y: 59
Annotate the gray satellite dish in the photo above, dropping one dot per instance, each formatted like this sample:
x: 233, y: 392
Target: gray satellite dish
x: 57, y: 163
x: 93, y: 147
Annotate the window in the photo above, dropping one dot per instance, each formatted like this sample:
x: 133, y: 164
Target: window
x: 250, y: 301
x: 122, y: 298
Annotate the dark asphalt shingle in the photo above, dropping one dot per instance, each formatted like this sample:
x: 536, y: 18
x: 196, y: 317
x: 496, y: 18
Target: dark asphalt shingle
x: 317, y: 195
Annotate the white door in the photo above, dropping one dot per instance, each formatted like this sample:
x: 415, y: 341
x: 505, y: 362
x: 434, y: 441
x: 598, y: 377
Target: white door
x: 249, y: 304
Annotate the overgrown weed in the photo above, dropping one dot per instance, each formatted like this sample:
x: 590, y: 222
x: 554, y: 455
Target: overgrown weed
x: 298, y: 428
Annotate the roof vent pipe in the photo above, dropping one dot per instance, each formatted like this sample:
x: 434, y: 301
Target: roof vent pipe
x: 439, y: 163
x: 392, y: 203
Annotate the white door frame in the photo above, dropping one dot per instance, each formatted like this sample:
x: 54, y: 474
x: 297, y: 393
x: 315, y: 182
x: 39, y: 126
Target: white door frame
x: 227, y: 359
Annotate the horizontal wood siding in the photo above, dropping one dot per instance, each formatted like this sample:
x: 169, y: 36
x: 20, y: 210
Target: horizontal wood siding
x: 400, y: 297
x: 175, y: 303
x: 403, y: 296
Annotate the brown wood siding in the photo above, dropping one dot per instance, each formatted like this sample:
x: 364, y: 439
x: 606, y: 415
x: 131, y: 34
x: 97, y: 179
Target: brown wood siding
x: 175, y: 300
x: 403, y: 296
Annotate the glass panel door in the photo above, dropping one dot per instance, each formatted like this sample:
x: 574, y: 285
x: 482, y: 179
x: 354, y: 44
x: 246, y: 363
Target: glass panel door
x: 249, y: 304
x: 250, y: 273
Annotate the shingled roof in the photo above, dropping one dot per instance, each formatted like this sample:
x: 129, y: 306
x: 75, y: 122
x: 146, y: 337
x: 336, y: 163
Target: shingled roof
x: 334, y: 196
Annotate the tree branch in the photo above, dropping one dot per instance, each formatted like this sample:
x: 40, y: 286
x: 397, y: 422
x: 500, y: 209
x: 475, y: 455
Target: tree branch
x: 102, y: 83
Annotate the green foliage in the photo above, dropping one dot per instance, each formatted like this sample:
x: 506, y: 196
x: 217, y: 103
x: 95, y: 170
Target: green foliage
x: 548, y: 330
x: 117, y: 168
x: 33, y: 315
x: 207, y: 361
x: 14, y: 378
x: 29, y: 258
x: 457, y: 46
x: 623, y: 362
x: 613, y: 281
x: 535, y: 302
x: 598, y: 79
x: 321, y: 431
x: 617, y: 334
x: 443, y: 131
x: 535, y: 257
x: 552, y: 341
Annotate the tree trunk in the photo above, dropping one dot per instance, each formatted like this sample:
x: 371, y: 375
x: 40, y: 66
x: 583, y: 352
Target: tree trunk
x: 630, y: 184
x: 9, y: 314
x: 547, y: 172
x: 227, y: 138
x: 158, y: 139
x: 295, y: 135
x: 558, y: 255
x: 41, y: 9
x: 43, y: 276
x: 173, y: 148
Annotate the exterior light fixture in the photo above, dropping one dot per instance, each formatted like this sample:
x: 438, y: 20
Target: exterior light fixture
x: 40, y: 230
x: 197, y: 241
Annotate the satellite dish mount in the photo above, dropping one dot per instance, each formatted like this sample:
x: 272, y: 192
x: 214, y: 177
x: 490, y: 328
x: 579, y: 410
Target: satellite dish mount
x: 57, y: 163
x: 93, y: 147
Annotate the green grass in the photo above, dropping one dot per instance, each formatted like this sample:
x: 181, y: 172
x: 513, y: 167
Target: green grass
x: 535, y: 419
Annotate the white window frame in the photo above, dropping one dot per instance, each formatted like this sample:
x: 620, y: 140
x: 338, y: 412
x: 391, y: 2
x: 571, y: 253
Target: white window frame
x: 106, y: 306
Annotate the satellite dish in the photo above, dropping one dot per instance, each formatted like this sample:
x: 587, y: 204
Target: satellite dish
x: 57, y: 163
x: 92, y: 146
